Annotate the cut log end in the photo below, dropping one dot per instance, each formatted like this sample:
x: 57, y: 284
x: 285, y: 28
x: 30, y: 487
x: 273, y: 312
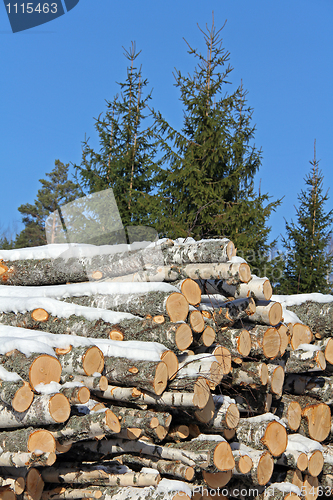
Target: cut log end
x: 44, y: 369
x: 7, y: 494
x: 177, y: 307
x: 217, y: 479
x: 271, y: 343
x: 244, y: 272
x: 83, y: 395
x: 275, y: 314
x: 40, y: 315
x: 316, y: 463
x: 34, y: 484
x: 172, y: 364
x: 191, y: 291
x: 275, y: 438
x: 245, y: 464
x: 103, y: 383
x: 223, y: 457
x: 301, y: 334
x: 201, y: 392
x: 97, y: 275
x: 294, y: 415
x: 41, y: 440
x: 116, y: 335
x: 244, y: 343
x: 196, y: 321
x: 208, y: 336
x: 302, y: 462
x: 277, y: 380
x: 263, y: 373
x: 161, y: 378
x: 267, y: 290
x: 230, y: 250
x: 232, y: 416
x: 112, y: 421
x: 318, y: 419
x: 223, y: 356
x: 59, y: 408
x: 183, y: 336
x: 329, y: 351
x: 265, y: 469
x: 93, y: 361
x: 22, y: 398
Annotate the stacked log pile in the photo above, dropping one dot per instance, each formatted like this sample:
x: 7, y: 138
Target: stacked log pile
x: 165, y: 380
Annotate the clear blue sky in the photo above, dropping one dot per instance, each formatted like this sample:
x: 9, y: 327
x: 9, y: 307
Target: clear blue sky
x: 55, y: 79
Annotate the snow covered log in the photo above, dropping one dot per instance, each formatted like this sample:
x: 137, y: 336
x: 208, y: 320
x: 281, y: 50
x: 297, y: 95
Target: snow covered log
x: 35, y: 369
x: 177, y: 336
x: 172, y: 306
x: 148, y: 375
x: 318, y: 316
x: 263, y: 432
x: 81, y: 360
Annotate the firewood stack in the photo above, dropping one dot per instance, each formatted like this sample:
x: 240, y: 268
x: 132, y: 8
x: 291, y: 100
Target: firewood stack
x: 166, y: 380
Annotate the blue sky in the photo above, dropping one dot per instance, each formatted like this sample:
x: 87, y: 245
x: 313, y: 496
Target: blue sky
x: 55, y: 79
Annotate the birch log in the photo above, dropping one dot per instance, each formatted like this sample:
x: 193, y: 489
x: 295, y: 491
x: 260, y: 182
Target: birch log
x: 265, y: 341
x: 167, y: 467
x: 35, y: 369
x: 318, y: 316
x: 81, y: 360
x: 267, y: 313
x: 236, y: 340
x: 18, y: 394
x: 44, y: 410
x: 98, y: 423
x: 258, y: 288
x: 263, y: 432
x: 172, y: 306
x: 27, y: 440
x: 304, y: 360
x: 147, y: 375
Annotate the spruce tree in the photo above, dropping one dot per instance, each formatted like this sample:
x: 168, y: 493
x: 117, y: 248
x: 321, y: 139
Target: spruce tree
x: 125, y: 160
x: 56, y: 191
x: 308, y: 262
x: 208, y: 185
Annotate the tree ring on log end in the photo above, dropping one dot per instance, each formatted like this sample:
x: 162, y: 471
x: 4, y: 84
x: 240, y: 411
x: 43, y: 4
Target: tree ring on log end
x: 232, y: 416
x: 275, y: 438
x: 217, y: 479
x: 223, y: 457
x: 59, y: 408
x: 112, y: 421
x: 171, y: 361
x: 183, y: 336
x: 44, y: 369
x: 161, y: 378
x: 40, y: 315
x: 265, y: 469
x: 244, y: 343
x: 22, y: 398
x: 177, y: 307
x: 93, y: 361
x: 208, y: 336
x: 294, y: 415
x: 245, y: 464
x: 41, y: 440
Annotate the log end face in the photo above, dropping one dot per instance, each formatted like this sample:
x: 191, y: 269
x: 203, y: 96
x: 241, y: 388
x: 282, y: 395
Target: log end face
x: 316, y: 463
x: 244, y: 343
x: 183, y: 336
x: 23, y: 398
x: 302, y: 462
x: 232, y: 416
x: 172, y: 364
x: 267, y: 290
x: 223, y: 457
x: 44, y: 369
x: 329, y: 351
x: 217, y: 479
x: 59, y: 408
x: 177, y: 307
x: 318, y: 419
x: 245, y: 464
x: 208, y: 336
x: 161, y: 378
x: 41, y: 440
x: 265, y: 469
x: 275, y: 438
x: 93, y: 361
x: 244, y: 272
x: 112, y: 421
x: 191, y: 290
x: 223, y: 356
x: 271, y: 343
x: 103, y: 383
x: 294, y: 415
x: 201, y: 392
x: 83, y: 395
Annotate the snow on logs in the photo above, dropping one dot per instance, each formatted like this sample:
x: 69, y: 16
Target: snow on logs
x: 203, y: 379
